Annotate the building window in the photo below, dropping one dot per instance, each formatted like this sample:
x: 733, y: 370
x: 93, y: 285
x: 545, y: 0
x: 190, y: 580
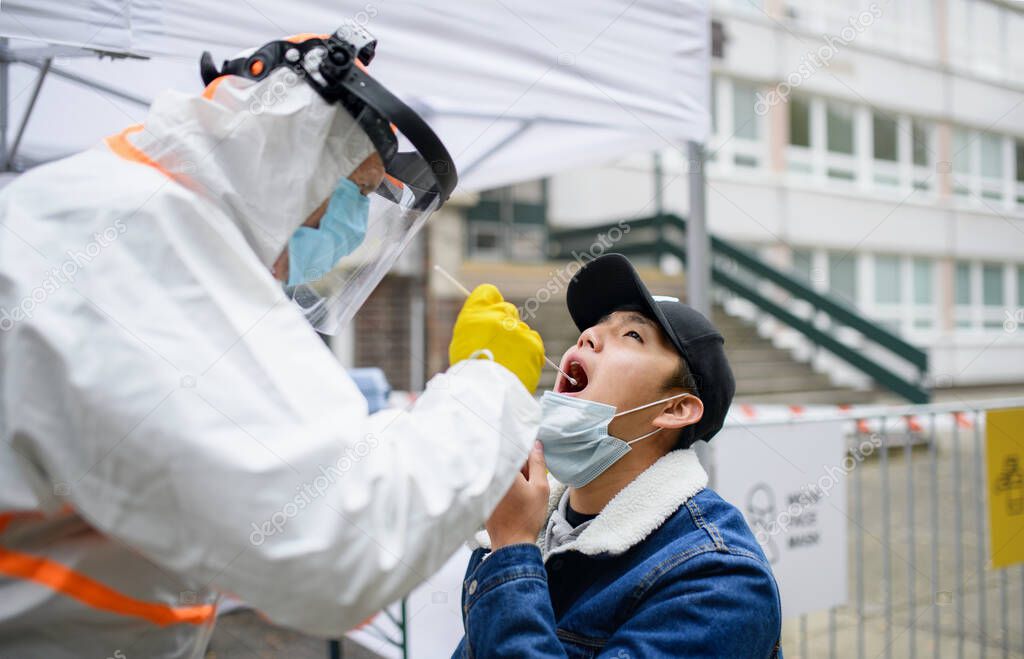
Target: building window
x: 962, y: 165
x: 798, y: 158
x: 923, y: 281
x: 962, y: 295
x: 887, y: 280
x: 905, y: 27
x: 888, y: 292
x: 509, y: 224
x: 839, y: 142
x: 992, y: 285
x: 714, y: 105
x: 963, y: 283
x: 803, y: 260
x: 992, y: 295
x: 717, y: 39
x: 981, y: 295
x: 885, y: 138
x: 904, y: 293
x: 744, y: 119
x: 886, y: 150
x: 799, y: 121
x: 986, y: 35
x: 738, y: 136
x: 921, y: 150
x: 986, y: 167
x: 921, y: 138
x: 842, y: 276
x: 983, y: 37
x: 826, y: 140
x: 1015, y: 35
x: 1018, y: 150
x: 1020, y: 286
x: 902, y: 148
x: 745, y: 125
x: 991, y: 166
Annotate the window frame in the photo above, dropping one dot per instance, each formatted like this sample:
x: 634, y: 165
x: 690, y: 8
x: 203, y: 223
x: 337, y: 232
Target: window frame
x: 728, y: 152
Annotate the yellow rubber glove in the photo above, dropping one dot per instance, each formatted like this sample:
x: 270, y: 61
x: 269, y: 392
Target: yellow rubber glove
x: 488, y: 322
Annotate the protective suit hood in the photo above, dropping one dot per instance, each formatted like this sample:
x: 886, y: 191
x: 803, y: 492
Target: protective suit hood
x: 267, y: 152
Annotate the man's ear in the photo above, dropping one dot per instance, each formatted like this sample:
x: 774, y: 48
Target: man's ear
x: 679, y: 413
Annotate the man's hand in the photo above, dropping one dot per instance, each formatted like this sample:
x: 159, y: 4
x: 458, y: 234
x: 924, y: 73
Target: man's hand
x: 520, y: 515
x: 487, y: 321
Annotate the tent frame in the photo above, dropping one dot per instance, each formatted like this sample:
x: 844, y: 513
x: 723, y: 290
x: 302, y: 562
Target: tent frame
x: 41, y: 58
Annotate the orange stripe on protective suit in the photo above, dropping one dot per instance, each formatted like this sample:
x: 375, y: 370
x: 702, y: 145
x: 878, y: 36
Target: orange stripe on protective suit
x: 121, y: 146
x: 64, y: 580
x: 212, y: 87
x: 7, y: 518
x: 305, y: 36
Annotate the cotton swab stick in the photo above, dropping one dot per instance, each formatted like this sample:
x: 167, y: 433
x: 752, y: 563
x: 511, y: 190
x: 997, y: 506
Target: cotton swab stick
x: 455, y: 282
x: 465, y: 291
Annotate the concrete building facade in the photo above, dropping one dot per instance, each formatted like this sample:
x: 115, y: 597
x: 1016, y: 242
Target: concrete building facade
x: 874, y: 148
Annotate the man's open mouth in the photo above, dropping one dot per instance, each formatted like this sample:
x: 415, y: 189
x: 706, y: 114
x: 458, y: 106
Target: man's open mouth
x: 576, y: 371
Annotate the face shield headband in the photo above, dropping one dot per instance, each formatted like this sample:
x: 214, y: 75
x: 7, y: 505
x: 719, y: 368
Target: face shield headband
x: 334, y: 68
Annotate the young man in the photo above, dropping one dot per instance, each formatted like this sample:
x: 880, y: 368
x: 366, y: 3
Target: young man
x: 632, y: 556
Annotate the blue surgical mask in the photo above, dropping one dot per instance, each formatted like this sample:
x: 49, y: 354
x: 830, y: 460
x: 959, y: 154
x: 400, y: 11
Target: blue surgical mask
x: 312, y: 252
x: 574, y: 432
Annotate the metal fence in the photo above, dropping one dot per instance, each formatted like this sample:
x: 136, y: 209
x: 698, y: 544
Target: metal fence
x: 919, y: 582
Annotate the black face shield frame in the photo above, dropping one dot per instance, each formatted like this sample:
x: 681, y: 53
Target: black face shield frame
x: 335, y: 67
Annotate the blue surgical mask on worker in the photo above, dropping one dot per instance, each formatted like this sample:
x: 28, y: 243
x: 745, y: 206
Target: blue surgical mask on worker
x: 312, y: 252
x: 577, y: 445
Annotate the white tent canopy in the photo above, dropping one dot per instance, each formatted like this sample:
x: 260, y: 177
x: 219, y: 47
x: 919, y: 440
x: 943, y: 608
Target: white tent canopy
x: 515, y: 90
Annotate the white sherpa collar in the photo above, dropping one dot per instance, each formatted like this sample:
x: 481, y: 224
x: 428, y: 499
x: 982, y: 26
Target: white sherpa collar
x: 636, y: 511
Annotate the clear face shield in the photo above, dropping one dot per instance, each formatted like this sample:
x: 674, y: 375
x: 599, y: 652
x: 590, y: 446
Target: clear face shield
x: 332, y: 291
x: 358, y: 240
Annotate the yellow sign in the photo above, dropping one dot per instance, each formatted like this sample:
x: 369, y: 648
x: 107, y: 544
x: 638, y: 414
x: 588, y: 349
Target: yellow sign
x: 1004, y: 431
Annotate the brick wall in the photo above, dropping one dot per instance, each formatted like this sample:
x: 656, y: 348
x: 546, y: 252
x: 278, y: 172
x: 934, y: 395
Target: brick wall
x: 382, y: 330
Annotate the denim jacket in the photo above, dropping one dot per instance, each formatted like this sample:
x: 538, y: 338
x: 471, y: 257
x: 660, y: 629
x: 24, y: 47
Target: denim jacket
x: 668, y: 569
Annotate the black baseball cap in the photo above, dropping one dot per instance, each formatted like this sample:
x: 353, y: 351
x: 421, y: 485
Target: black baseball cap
x: 610, y: 283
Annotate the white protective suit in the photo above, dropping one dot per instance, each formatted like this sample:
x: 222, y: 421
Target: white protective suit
x: 172, y: 427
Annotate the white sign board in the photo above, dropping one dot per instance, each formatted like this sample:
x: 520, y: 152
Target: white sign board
x: 789, y: 481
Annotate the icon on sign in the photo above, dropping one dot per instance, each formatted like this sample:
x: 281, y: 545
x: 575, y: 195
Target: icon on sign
x: 1011, y: 481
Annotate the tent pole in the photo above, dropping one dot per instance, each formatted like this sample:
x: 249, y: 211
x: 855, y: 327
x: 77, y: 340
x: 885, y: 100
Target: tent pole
x: 4, y: 92
x: 659, y: 184
x: 10, y: 155
x: 525, y: 126
x: 698, y: 264
x: 698, y: 245
x: 92, y: 84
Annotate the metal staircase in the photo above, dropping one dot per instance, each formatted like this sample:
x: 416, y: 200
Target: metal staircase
x: 887, y: 360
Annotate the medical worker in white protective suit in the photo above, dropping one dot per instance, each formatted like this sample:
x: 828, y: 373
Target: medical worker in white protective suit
x: 173, y: 427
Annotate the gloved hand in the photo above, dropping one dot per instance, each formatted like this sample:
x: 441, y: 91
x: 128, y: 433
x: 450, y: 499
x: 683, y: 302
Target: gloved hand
x: 488, y: 322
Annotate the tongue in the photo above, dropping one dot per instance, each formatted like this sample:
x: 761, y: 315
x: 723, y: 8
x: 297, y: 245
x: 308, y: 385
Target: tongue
x: 580, y: 376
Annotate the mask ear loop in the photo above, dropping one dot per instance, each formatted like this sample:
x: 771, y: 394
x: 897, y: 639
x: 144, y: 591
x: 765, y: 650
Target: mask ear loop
x: 636, y: 409
x: 637, y: 439
x: 657, y: 402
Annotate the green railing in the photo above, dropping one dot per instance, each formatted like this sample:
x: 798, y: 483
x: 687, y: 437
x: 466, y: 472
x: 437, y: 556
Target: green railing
x: 663, y: 234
